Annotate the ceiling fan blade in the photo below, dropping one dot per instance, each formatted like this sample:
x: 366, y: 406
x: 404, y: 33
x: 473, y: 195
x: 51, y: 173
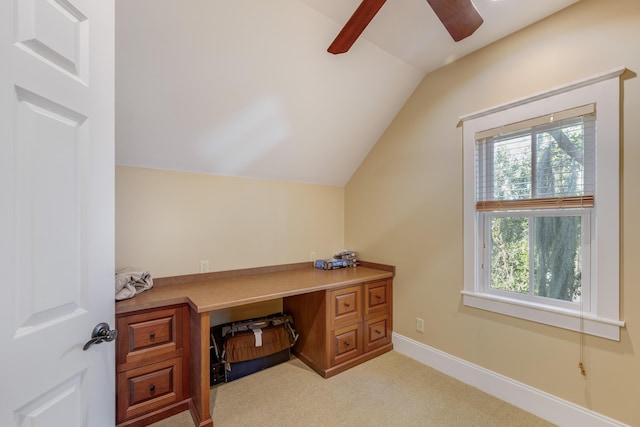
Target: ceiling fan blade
x: 459, y: 17
x: 355, y: 25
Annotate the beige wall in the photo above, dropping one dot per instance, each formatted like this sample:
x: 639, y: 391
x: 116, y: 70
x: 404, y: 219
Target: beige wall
x: 166, y: 222
x: 404, y: 207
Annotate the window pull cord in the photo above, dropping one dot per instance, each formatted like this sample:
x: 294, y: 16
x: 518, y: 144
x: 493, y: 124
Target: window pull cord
x: 583, y: 372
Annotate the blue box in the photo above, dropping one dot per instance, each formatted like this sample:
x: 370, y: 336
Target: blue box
x: 331, y: 263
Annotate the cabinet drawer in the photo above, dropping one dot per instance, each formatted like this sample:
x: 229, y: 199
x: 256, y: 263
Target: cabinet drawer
x: 148, y: 388
x: 377, y: 298
x: 152, y: 333
x: 346, y: 305
x: 346, y: 343
x: 150, y: 336
x: 377, y: 332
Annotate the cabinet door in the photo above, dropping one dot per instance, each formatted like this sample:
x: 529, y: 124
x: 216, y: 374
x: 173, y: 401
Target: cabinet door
x: 377, y: 296
x: 150, y: 387
x: 346, y: 343
x: 345, y: 305
x: 377, y: 332
x: 149, y: 336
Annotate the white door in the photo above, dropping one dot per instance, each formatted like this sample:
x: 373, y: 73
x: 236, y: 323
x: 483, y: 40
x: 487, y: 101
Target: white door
x: 56, y: 211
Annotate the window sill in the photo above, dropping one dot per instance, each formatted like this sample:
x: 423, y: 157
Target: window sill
x: 573, y: 320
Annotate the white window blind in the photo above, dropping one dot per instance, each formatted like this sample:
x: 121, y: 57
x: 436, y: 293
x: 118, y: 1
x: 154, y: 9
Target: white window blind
x: 547, y: 162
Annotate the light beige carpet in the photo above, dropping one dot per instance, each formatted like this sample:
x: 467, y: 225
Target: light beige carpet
x: 391, y: 390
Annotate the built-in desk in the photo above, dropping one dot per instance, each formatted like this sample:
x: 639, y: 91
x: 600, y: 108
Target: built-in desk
x: 163, y: 344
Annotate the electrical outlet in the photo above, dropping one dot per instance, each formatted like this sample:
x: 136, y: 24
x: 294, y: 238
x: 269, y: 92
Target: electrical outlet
x: 419, y: 324
x: 312, y: 256
x: 204, y: 266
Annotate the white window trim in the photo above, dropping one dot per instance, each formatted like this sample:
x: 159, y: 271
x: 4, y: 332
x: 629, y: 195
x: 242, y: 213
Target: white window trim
x: 604, y: 317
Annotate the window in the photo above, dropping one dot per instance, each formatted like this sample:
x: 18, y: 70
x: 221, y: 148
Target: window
x: 541, y: 200
x: 534, y: 198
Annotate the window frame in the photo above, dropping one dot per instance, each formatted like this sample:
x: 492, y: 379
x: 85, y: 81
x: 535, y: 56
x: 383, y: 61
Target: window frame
x: 585, y: 215
x: 600, y: 317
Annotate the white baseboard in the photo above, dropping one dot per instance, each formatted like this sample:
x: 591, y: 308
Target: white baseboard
x: 544, y: 405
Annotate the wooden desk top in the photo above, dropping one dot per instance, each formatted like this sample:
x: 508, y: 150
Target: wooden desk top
x: 222, y: 290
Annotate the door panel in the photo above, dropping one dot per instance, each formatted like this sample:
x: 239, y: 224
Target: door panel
x: 63, y: 402
x: 49, y: 204
x: 56, y: 32
x: 57, y: 211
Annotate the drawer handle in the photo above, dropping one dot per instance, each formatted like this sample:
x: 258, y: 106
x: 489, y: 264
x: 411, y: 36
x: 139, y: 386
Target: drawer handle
x: 378, y: 331
x: 152, y: 389
x: 378, y: 297
x: 347, y: 344
x: 346, y: 304
x: 152, y: 336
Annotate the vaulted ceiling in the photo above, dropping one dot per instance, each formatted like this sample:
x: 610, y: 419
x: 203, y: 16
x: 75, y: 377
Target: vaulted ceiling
x: 247, y: 87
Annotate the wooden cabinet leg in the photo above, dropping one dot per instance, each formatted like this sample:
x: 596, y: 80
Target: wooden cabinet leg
x: 200, y: 369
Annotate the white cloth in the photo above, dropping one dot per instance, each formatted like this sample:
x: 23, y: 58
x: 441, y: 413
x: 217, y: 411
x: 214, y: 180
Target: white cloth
x: 258, y: 334
x: 131, y: 281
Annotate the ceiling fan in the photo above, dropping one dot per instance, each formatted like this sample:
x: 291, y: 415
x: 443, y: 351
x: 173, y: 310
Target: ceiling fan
x: 459, y: 17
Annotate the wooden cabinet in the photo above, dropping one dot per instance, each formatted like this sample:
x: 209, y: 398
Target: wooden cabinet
x: 162, y: 356
x: 152, y: 365
x: 343, y: 327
